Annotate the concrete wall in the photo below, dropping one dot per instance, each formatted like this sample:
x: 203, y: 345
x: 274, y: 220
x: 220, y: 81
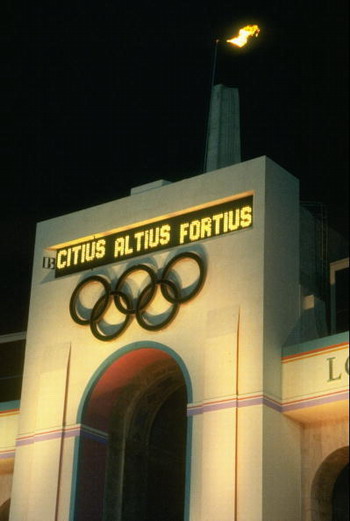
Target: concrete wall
x: 325, y: 452
x: 228, y: 337
x: 9, y: 414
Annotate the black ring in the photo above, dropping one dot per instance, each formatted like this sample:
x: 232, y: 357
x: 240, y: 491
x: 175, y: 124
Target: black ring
x: 124, y: 302
x: 199, y: 284
x: 94, y: 321
x: 117, y: 293
x: 75, y: 295
x: 168, y: 319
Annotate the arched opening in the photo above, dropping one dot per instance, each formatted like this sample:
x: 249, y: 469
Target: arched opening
x: 340, y: 496
x: 6, y: 476
x: 326, y: 497
x: 167, y: 457
x: 5, y: 510
x: 132, y: 455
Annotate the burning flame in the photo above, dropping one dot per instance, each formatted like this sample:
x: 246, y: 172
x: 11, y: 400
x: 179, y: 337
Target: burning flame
x: 243, y: 35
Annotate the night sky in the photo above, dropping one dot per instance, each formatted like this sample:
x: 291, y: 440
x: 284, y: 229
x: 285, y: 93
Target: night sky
x: 103, y: 96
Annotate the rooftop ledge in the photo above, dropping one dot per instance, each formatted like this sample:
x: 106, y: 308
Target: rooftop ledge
x: 317, y: 343
x: 149, y: 186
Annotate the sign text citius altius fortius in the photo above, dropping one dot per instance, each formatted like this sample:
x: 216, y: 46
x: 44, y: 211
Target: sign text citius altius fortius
x: 189, y: 227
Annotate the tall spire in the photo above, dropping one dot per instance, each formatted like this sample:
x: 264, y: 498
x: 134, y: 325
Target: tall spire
x: 223, y: 146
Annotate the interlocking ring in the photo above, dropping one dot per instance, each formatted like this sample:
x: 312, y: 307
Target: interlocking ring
x: 124, y: 302
x: 118, y: 294
x: 170, y: 266
x: 139, y: 316
x: 98, y: 309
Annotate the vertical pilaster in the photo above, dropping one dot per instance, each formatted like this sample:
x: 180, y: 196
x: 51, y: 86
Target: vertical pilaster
x: 38, y: 467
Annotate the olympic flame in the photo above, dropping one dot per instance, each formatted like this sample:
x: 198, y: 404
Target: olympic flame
x: 244, y: 34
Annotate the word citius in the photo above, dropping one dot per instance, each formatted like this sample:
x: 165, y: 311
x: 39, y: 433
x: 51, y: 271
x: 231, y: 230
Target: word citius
x: 189, y: 227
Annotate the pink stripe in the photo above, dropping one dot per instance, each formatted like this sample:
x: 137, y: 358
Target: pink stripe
x: 230, y: 404
x: 214, y: 406
x: 273, y: 404
x: 9, y: 454
x: 312, y: 402
x: 315, y: 397
x: 269, y: 402
x: 38, y: 437
x: 9, y: 412
x: 59, y: 433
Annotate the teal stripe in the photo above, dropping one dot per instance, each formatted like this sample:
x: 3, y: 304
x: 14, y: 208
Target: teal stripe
x: 8, y: 406
x: 317, y: 343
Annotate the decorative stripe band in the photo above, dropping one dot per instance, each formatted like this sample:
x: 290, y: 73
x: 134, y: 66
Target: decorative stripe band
x: 300, y: 403
x: 10, y: 412
x: 4, y: 454
x: 88, y: 432
x: 94, y: 434
x: 230, y: 403
x: 66, y: 432
x: 315, y: 400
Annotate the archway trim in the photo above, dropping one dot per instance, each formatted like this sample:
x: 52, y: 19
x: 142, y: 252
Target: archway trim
x: 97, y: 375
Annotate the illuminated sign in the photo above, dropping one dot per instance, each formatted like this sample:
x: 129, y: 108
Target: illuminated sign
x: 178, y: 230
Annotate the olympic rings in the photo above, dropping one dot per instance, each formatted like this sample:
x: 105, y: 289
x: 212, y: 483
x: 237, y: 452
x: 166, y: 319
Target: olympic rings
x: 123, y: 300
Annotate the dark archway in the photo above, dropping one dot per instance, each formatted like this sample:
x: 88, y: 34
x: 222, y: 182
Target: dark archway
x: 167, y: 448
x: 340, y: 496
x: 324, y: 484
x: 146, y: 452
x: 5, y: 510
x: 136, y: 471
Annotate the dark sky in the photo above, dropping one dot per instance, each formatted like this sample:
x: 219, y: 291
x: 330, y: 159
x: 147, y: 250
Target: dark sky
x: 105, y: 95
